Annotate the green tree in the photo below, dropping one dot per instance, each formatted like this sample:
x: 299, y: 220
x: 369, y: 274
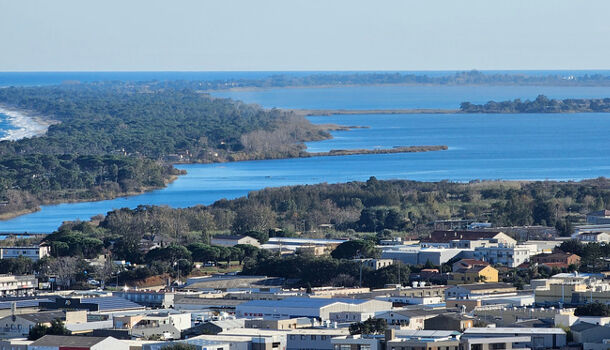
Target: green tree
x: 57, y: 328
x: 355, y: 249
x: 370, y: 326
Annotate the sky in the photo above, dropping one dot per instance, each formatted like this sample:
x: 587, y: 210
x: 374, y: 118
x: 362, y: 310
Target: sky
x: 245, y: 35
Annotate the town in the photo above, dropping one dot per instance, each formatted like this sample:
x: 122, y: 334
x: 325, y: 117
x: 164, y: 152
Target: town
x: 464, y: 285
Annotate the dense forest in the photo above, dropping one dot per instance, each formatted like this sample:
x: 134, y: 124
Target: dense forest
x: 117, y: 138
x: 541, y: 104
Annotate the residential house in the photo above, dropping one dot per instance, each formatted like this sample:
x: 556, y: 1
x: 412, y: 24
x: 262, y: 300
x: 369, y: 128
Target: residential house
x: 448, y: 322
x: 486, y: 274
x: 467, y: 264
x: 507, y: 255
x: 409, y: 318
x: 374, y: 264
x: 556, y: 259
x: 17, y: 285
x: 233, y: 240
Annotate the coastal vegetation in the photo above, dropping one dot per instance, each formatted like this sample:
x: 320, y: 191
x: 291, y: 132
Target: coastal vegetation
x: 114, y: 139
x: 541, y: 104
x: 472, y: 77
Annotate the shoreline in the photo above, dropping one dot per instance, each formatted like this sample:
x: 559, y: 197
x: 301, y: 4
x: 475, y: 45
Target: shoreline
x: 330, y: 112
x: 14, y: 214
x: 26, y: 123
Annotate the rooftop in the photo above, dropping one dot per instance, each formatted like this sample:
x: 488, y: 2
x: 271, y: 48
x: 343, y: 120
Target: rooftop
x: 485, y: 286
x: 65, y: 341
x: 512, y: 330
x: 448, y: 236
x: 299, y: 302
x: 44, y: 317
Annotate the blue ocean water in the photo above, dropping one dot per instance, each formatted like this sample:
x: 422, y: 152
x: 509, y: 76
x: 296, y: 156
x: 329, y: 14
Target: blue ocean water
x: 5, y: 125
x: 521, y: 146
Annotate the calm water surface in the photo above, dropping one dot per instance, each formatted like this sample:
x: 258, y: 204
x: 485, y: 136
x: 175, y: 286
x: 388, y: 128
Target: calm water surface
x: 532, y: 146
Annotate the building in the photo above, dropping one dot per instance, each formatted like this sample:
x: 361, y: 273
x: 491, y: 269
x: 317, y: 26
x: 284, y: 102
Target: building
x: 319, y: 308
x: 350, y: 316
x: 15, y: 285
x: 486, y: 274
x: 159, y: 299
x: 503, y: 316
x: 507, y: 255
x: 572, y: 293
x: 600, y: 217
x: 166, y: 324
x: 33, y: 252
x: 467, y: 264
x: 541, y: 338
x: 233, y: 240
x: 198, y: 344
x: 584, y: 332
x: 57, y: 342
x: 509, y: 342
x: 594, y: 237
x: 414, y: 255
x: 409, y: 318
x: 375, y: 264
x: 448, y: 322
x: 283, y: 324
x: 318, y: 338
x: 470, y: 291
x: 215, y: 327
x: 357, y: 342
x: 15, y: 326
x: 466, y: 239
x: 101, y: 304
x: 557, y: 259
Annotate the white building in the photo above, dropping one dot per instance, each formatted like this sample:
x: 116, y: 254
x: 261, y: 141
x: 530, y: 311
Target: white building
x: 33, y: 252
x: 230, y: 241
x: 507, y: 255
x: 17, y: 285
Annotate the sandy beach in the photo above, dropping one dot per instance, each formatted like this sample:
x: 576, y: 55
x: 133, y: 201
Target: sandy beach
x: 27, y: 124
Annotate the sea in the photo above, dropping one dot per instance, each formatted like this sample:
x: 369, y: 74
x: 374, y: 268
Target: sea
x: 566, y: 147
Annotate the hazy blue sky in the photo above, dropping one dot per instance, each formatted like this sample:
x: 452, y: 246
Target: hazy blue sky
x: 303, y: 35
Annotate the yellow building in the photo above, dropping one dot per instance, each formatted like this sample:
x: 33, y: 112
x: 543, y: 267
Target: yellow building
x: 474, y: 275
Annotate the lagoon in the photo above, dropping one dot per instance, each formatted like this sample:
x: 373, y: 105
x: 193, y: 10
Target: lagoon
x: 481, y: 146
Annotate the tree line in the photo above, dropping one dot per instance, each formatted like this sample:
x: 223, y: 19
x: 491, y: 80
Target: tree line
x: 541, y: 104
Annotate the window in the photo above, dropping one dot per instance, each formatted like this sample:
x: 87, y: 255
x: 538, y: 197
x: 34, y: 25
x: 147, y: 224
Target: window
x: 345, y: 347
x: 498, y: 346
x: 365, y: 347
x: 313, y: 337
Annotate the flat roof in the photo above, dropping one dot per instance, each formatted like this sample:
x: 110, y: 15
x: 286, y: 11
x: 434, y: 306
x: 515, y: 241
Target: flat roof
x: 513, y: 330
x: 300, y: 302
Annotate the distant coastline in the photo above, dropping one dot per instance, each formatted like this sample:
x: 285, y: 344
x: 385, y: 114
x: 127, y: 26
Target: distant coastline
x: 26, y: 123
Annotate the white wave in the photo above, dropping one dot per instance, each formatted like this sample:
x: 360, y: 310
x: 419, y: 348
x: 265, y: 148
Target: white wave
x: 26, y: 124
